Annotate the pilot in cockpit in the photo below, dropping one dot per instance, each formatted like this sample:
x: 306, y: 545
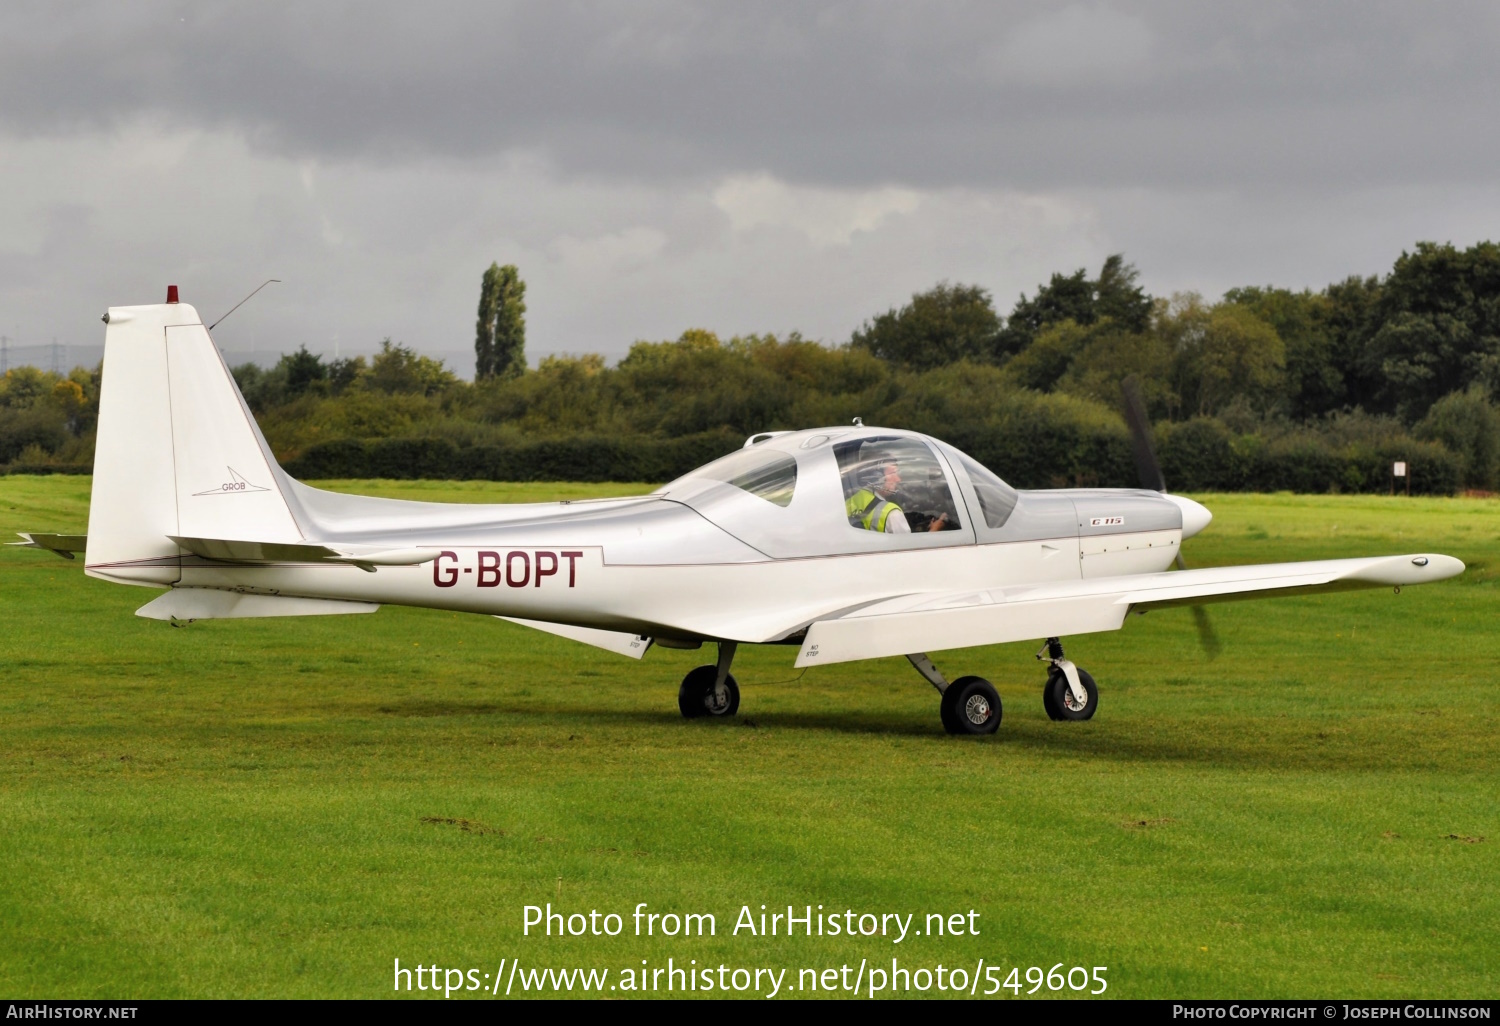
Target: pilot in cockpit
x: 873, y: 506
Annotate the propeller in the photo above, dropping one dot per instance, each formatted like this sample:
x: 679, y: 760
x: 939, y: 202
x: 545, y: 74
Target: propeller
x: 1149, y: 469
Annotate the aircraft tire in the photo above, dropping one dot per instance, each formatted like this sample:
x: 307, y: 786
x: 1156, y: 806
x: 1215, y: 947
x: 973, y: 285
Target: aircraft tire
x: 1049, y: 702
x: 695, y: 696
x: 1059, y: 697
x: 970, y: 706
x: 945, y: 709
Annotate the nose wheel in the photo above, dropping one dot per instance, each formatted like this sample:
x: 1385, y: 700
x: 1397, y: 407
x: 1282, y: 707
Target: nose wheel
x: 1070, y: 692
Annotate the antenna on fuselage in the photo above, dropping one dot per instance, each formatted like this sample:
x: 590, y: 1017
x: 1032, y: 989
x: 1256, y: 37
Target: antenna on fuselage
x: 241, y: 303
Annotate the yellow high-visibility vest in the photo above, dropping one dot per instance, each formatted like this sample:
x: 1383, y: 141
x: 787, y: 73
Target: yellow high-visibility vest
x: 866, y: 509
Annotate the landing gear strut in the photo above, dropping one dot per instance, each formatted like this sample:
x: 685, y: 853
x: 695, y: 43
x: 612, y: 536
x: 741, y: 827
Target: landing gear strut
x: 710, y: 690
x: 1070, y: 693
x: 970, y: 705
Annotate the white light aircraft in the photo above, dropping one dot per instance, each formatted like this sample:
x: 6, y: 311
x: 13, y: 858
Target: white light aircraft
x: 846, y: 542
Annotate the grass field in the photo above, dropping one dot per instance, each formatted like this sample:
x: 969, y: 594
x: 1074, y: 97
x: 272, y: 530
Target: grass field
x: 283, y: 807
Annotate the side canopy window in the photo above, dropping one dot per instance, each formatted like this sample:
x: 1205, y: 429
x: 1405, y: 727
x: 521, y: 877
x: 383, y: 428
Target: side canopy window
x: 764, y: 473
x: 996, y: 498
x: 895, y: 486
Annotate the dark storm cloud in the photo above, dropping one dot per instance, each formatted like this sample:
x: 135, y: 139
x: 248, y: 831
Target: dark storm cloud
x: 1252, y: 96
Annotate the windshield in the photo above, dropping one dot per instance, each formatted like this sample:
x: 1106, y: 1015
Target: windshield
x: 764, y: 473
x: 996, y: 498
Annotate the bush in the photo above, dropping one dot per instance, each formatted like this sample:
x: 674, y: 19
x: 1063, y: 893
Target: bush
x: 48, y: 468
x: 1469, y: 426
x: 23, y: 427
x: 1200, y: 455
x: 578, y: 458
x: 1296, y: 463
x: 1205, y: 455
x: 1046, y: 441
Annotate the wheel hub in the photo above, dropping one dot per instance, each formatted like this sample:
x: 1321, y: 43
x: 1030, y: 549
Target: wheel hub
x: 977, y: 710
x: 1073, y: 704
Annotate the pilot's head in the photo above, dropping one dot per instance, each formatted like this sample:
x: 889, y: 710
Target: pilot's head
x: 881, y: 471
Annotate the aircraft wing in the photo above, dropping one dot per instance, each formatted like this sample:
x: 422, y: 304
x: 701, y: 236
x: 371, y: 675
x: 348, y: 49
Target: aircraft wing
x: 929, y: 622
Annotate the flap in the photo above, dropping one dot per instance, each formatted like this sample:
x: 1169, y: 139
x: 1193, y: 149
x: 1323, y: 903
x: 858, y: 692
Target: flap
x: 210, y: 604
x: 618, y: 642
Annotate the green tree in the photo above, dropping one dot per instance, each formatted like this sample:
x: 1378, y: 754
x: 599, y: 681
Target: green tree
x: 484, y: 328
x: 1109, y: 357
x: 1118, y: 297
x: 1083, y: 300
x: 1223, y: 353
x: 263, y: 389
x: 1438, y: 327
x: 1351, y: 316
x: 943, y: 325
x: 1042, y: 363
x: 500, y: 334
x: 400, y: 369
x: 305, y: 372
x: 1318, y: 357
x: 24, y: 386
x: 698, y: 383
x: 1469, y: 425
x: 342, y: 374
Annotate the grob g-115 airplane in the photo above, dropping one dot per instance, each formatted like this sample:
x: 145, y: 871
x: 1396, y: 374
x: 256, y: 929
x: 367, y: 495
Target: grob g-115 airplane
x: 846, y: 542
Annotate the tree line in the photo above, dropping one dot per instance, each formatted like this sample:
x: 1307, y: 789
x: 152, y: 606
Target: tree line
x: 1267, y: 388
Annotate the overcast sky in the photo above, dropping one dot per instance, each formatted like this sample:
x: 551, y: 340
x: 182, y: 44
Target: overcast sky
x: 744, y: 167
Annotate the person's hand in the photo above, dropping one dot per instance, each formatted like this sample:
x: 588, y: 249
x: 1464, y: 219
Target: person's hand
x: 938, y: 522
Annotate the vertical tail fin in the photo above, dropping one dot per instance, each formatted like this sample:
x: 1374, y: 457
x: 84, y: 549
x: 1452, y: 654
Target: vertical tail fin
x: 178, y: 452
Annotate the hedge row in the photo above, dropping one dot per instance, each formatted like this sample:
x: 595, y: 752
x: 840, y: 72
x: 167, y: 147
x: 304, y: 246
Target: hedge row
x: 581, y: 458
x: 1204, y: 456
x: 1196, y: 456
x: 47, y: 468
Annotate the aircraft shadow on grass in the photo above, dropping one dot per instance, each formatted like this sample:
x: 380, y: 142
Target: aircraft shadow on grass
x: 1315, y: 748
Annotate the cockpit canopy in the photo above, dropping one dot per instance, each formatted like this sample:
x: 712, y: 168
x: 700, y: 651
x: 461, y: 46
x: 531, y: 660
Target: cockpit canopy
x: 764, y: 473
x: 833, y: 491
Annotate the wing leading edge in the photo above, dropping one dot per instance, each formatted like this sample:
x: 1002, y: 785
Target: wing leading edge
x: 934, y: 622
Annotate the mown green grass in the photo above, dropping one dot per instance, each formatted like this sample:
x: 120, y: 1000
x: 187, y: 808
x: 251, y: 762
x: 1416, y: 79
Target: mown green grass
x: 242, y: 807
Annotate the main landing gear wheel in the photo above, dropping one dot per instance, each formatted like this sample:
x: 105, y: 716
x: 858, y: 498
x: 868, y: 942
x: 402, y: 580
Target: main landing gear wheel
x: 698, y: 697
x: 971, y: 705
x: 1058, y: 699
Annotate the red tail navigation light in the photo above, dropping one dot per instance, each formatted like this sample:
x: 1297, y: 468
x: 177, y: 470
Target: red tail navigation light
x: 171, y: 293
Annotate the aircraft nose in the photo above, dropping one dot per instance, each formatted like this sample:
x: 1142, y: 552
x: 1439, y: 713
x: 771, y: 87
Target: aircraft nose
x: 1195, y: 516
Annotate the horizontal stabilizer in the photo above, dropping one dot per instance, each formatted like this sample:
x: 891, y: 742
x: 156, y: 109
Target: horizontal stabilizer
x: 932, y: 622
x: 226, y: 550
x: 64, y: 545
x: 211, y: 604
x: 618, y: 642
